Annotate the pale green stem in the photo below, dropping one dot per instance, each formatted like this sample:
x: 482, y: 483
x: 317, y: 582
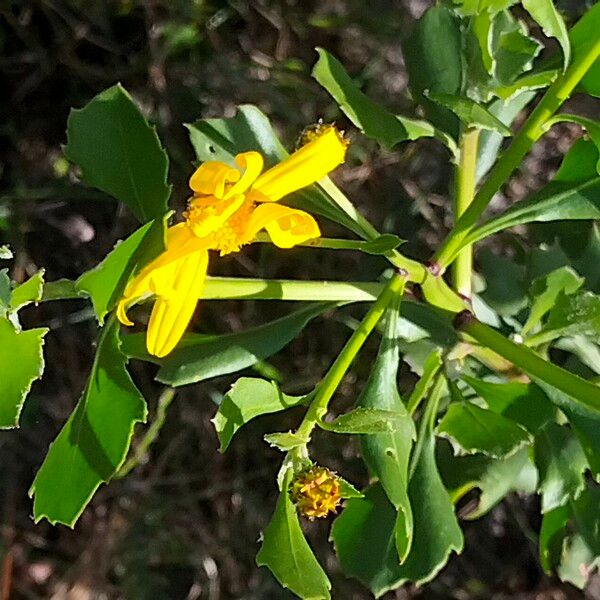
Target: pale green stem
x: 151, y: 434
x: 522, y: 143
x: 466, y: 174
x: 427, y: 420
x: 436, y: 291
x: 223, y: 288
x: 580, y: 390
x: 332, y: 379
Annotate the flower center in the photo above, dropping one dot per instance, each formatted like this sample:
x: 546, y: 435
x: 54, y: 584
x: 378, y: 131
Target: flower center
x: 222, y: 223
x: 316, y: 492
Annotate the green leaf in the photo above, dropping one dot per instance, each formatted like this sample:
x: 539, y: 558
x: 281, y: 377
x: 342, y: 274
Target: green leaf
x: 249, y: 398
x: 514, y: 50
x: 433, y: 57
x: 506, y: 283
x: 552, y: 534
x: 347, y: 490
x: 584, y: 421
x: 119, y: 153
x: 372, y: 119
x: 5, y: 252
x: 363, y: 534
x: 571, y: 314
x: 475, y: 7
x: 250, y: 129
x: 21, y: 363
x: 433, y: 363
x: 483, y: 31
x: 577, y: 562
x: 561, y: 463
x: 367, y: 421
x: 93, y: 444
x: 28, y: 292
x: 580, y: 163
x: 584, y: 348
x: 286, y: 553
x: 477, y: 429
x: 387, y: 454
x: 580, y: 392
x: 490, y: 142
x: 546, y: 290
x: 494, y: 477
x: 581, y: 551
x: 544, y: 13
x: 286, y: 441
x: 106, y: 282
x: 528, y: 82
x: 199, y: 357
x: 555, y: 202
x: 61, y: 289
x: 498, y: 51
x: 5, y: 290
x: 436, y: 528
x: 590, y: 125
x: 381, y: 245
x: 523, y: 403
x: 583, y: 35
x: 470, y: 113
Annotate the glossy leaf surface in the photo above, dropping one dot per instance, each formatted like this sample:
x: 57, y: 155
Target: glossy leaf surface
x: 119, y: 153
x: 94, y: 442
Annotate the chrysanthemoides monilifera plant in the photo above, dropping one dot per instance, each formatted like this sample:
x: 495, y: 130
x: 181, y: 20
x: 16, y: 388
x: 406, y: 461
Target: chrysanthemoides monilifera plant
x: 490, y: 410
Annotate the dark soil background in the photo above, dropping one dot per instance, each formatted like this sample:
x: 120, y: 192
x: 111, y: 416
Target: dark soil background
x: 185, y: 524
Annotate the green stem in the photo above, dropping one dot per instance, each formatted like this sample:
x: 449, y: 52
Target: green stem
x: 531, y: 131
x: 151, y: 434
x: 222, y: 288
x: 332, y: 379
x: 321, y: 242
x: 427, y: 423
x: 436, y: 291
x: 416, y: 271
x: 466, y: 175
x: 527, y: 360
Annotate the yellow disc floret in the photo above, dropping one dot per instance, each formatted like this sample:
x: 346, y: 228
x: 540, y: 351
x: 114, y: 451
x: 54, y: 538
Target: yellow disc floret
x: 316, y: 492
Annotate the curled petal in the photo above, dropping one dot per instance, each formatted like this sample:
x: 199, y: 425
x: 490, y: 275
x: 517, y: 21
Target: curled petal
x: 305, y: 166
x: 212, y: 177
x: 181, y: 242
x: 286, y: 226
x: 178, y: 290
x: 252, y: 165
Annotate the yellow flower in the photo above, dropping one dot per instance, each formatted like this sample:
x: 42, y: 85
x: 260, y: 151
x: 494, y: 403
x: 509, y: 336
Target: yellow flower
x: 228, y: 208
x: 316, y: 492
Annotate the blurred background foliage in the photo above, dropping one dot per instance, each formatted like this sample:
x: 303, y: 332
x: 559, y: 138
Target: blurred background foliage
x: 185, y: 523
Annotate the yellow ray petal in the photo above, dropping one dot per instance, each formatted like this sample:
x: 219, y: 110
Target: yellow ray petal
x: 174, y: 307
x: 180, y: 243
x: 305, y: 166
x: 286, y: 226
x: 211, y: 178
x: 252, y: 165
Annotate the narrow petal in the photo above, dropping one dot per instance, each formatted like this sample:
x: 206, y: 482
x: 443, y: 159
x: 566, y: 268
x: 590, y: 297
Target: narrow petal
x: 286, y: 226
x: 305, y: 166
x: 211, y: 178
x: 252, y: 165
x: 174, y: 307
x: 180, y: 243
